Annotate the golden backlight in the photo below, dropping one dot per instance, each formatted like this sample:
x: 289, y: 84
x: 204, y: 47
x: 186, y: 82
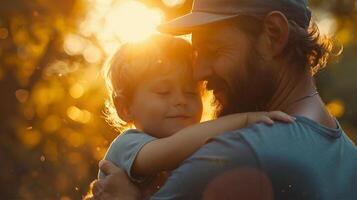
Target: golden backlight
x: 133, y: 21
x: 113, y: 23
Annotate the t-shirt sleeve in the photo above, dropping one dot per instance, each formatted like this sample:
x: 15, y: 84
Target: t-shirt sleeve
x: 124, y: 149
x: 212, y: 170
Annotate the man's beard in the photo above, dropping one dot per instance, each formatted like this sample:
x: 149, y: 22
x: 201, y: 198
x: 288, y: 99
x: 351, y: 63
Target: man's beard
x: 252, y: 92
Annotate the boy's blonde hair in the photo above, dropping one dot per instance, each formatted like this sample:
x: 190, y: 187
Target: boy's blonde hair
x: 133, y: 62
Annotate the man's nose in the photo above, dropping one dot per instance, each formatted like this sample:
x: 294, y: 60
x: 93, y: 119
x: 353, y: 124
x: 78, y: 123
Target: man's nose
x: 201, y: 69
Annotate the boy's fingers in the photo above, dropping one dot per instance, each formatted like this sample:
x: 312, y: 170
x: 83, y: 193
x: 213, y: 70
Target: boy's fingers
x: 281, y: 116
x: 107, y: 167
x: 278, y: 115
x: 267, y: 120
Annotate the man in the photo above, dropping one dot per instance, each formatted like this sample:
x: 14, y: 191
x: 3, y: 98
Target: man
x: 257, y: 55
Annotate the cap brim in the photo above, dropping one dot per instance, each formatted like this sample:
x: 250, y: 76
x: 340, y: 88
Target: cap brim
x: 188, y: 23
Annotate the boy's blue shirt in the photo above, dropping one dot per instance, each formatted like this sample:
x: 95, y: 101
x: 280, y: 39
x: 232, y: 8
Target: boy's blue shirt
x: 302, y: 160
x: 124, y: 149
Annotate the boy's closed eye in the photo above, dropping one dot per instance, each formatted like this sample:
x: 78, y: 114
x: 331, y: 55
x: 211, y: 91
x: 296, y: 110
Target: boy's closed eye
x: 163, y: 92
x: 161, y: 89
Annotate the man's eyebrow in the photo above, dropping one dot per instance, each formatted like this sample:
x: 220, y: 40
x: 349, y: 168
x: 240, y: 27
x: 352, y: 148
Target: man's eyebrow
x: 205, y: 44
x: 204, y: 40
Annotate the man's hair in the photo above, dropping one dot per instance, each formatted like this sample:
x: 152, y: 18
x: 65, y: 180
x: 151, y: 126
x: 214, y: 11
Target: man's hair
x: 305, y: 47
x: 134, y: 62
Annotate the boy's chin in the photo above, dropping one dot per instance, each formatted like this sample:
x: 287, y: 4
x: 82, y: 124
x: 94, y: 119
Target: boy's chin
x: 171, y: 130
x: 171, y: 127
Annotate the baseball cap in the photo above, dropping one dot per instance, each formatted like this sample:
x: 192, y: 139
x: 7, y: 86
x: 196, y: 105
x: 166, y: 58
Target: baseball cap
x: 209, y: 11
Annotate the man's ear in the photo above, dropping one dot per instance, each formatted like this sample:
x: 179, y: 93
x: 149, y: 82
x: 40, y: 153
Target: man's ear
x: 276, y: 31
x: 123, y: 111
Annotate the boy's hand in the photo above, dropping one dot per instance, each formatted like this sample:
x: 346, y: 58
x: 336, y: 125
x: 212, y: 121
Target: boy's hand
x: 268, y: 117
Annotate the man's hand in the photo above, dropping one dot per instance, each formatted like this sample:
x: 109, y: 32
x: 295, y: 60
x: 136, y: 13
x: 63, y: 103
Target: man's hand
x: 115, y: 186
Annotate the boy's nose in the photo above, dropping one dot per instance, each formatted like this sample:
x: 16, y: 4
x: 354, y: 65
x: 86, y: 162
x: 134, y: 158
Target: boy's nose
x: 180, y: 99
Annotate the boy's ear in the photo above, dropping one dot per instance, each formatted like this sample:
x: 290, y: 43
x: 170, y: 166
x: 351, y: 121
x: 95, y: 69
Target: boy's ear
x: 123, y: 111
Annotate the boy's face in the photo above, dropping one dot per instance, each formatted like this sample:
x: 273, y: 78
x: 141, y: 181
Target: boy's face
x: 166, y: 103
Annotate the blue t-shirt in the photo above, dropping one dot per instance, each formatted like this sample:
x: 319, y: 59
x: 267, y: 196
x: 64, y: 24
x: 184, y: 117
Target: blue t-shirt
x: 301, y: 160
x: 124, y: 149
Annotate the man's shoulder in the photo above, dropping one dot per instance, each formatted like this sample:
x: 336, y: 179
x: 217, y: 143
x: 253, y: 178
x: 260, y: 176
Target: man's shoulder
x: 258, y: 134
x: 293, y: 140
x: 283, y: 130
x: 301, y: 130
x: 264, y: 131
x: 280, y: 137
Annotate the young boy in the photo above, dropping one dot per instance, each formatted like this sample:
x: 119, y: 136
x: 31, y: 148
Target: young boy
x: 152, y: 88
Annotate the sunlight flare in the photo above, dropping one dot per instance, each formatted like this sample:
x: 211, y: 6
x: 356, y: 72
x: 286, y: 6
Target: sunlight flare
x: 114, y: 23
x: 133, y: 21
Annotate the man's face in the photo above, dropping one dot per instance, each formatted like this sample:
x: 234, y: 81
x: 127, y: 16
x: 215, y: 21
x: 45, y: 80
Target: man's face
x: 228, y: 59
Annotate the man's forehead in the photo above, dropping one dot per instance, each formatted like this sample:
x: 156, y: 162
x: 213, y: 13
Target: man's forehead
x: 205, y: 34
x: 210, y: 34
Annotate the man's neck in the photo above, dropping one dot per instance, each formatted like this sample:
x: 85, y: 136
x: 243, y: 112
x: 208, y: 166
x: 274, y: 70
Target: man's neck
x: 295, y: 96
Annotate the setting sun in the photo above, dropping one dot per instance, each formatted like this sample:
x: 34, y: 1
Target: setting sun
x: 133, y: 21
x: 113, y: 23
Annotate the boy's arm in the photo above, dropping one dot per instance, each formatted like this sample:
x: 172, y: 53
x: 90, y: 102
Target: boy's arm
x: 167, y: 153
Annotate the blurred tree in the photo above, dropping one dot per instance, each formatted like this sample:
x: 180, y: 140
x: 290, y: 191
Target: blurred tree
x: 33, y: 143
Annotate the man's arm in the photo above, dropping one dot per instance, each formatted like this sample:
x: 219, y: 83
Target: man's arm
x: 225, y: 168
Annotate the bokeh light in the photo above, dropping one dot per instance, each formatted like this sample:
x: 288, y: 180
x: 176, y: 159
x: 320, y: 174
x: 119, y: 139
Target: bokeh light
x: 3, y: 33
x: 52, y: 123
x: 326, y: 22
x: 92, y: 54
x: 76, y: 90
x: 78, y: 115
x: 336, y: 108
x: 22, y: 95
x: 74, y: 44
x: 30, y: 137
